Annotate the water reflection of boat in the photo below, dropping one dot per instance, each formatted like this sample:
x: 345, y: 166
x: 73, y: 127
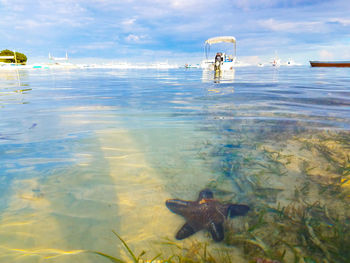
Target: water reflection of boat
x: 226, y: 76
x: 6, y: 75
x: 11, y: 66
x: 222, y: 61
x: 339, y: 64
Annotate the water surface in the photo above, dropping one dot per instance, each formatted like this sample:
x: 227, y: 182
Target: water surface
x: 87, y: 151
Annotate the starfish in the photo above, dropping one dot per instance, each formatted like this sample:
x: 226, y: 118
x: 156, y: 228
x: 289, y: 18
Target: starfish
x: 205, y: 213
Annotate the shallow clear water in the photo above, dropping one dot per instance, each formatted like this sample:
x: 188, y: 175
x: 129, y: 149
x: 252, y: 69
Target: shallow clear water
x: 85, y: 152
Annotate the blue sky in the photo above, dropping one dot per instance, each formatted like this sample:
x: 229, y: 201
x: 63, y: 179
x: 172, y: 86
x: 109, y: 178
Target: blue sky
x: 175, y: 30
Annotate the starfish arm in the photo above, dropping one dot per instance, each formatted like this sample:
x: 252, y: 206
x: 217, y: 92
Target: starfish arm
x: 178, y: 206
x: 236, y: 210
x: 185, y: 231
x: 216, y: 231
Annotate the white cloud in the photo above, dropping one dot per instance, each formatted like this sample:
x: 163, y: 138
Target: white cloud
x: 344, y: 22
x: 251, y: 60
x: 97, y: 45
x: 62, y: 7
x: 257, y: 4
x: 188, y: 5
x: 248, y: 4
x: 41, y: 13
x: 30, y: 24
x: 133, y: 38
x: 325, y: 54
x: 261, y: 26
x: 276, y: 25
x: 128, y: 22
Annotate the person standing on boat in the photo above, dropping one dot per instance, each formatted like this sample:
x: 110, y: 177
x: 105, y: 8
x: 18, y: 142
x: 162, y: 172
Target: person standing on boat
x: 218, y: 60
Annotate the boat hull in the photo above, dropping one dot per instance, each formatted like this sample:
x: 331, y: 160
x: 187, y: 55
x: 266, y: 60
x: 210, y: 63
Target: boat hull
x: 209, y: 65
x: 338, y: 64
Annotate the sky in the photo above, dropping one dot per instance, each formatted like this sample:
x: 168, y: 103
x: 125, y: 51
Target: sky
x: 95, y: 31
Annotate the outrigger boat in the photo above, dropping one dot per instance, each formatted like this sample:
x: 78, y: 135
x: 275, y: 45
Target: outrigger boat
x: 338, y: 64
x: 222, y: 61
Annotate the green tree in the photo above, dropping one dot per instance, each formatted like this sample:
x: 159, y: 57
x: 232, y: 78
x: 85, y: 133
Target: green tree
x: 21, y: 58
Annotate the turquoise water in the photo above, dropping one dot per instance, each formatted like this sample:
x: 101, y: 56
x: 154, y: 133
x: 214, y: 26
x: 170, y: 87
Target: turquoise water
x: 87, y: 151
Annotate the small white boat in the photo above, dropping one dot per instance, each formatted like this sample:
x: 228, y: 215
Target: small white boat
x: 192, y: 66
x: 276, y: 61
x: 221, y: 61
x: 57, y: 58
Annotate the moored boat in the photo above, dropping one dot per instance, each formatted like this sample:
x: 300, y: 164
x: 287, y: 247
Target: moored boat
x: 339, y: 64
x: 222, y: 61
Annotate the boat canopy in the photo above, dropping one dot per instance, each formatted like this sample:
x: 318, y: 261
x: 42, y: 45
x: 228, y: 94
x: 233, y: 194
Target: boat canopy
x: 215, y: 40
x: 227, y: 39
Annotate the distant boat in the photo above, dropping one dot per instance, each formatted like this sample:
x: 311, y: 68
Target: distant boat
x: 290, y: 62
x: 276, y: 62
x: 59, y: 59
x: 339, y: 64
x: 192, y: 66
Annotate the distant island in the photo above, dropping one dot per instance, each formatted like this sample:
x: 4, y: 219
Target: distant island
x: 20, y: 58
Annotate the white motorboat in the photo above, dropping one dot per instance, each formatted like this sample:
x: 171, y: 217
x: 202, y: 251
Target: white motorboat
x: 221, y: 61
